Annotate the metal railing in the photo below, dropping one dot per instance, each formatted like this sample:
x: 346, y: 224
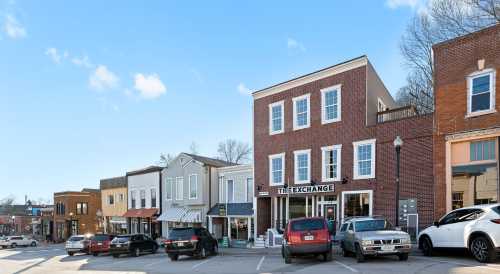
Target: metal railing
x: 396, y: 114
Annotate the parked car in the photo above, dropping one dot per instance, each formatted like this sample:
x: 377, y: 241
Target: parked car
x: 15, y: 241
x: 191, y: 242
x: 99, y: 243
x: 476, y: 228
x: 133, y: 245
x: 306, y: 236
x: 78, y: 244
x: 374, y: 236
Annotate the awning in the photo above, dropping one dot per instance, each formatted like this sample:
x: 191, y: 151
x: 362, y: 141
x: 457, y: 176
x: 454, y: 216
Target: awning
x: 118, y: 220
x: 472, y: 170
x: 141, y: 213
x: 231, y: 209
x: 182, y: 215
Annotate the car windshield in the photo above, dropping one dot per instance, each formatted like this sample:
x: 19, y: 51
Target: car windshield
x: 371, y: 225
x: 307, y: 224
x: 75, y: 239
x: 185, y: 233
x: 121, y: 239
x: 496, y: 209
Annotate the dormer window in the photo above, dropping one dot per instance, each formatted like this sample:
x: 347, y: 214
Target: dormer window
x: 481, y: 92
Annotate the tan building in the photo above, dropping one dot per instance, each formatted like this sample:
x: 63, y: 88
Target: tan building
x: 77, y: 212
x: 114, y: 204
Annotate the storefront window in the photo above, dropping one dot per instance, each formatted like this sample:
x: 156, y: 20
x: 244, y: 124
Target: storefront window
x: 356, y: 204
x: 474, y: 185
x: 297, y: 207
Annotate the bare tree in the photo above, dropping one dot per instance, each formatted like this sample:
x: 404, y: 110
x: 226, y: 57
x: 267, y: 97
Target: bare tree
x: 234, y: 151
x: 165, y: 159
x: 193, y: 148
x: 8, y: 200
x: 445, y: 19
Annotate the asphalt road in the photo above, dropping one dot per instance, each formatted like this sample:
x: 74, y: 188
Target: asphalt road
x: 53, y: 259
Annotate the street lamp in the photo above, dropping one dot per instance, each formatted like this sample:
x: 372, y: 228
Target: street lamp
x: 71, y: 222
x: 14, y: 224
x: 398, y: 143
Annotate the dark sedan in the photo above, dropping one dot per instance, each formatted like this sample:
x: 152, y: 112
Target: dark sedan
x: 133, y: 245
x: 191, y: 242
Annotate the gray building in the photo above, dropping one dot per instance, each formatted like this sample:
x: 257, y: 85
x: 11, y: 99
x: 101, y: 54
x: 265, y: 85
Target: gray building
x: 190, y: 189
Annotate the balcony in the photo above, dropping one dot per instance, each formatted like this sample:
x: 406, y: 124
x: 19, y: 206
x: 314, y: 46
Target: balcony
x: 396, y: 114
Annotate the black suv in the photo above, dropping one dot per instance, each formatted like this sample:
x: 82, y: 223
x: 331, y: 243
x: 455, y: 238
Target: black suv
x: 191, y: 242
x: 132, y: 244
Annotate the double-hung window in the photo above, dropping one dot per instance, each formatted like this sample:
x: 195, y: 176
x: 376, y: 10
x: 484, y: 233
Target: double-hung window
x: 153, y: 197
x: 111, y: 199
x: 481, y: 92
x: 193, y: 186
x: 364, y: 159
x: 331, y: 163
x: 169, y: 188
x: 142, y: 194
x: 276, y: 118
x: 330, y: 104
x: 482, y: 150
x: 230, y: 191
x: 302, y: 166
x: 132, y: 198
x: 179, y: 184
x: 301, y: 112
x: 277, y: 169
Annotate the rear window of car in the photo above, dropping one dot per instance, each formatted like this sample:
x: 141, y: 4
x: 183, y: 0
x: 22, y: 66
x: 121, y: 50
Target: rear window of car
x: 101, y: 237
x: 496, y: 209
x: 75, y: 239
x: 121, y: 239
x: 311, y: 224
x: 186, y: 233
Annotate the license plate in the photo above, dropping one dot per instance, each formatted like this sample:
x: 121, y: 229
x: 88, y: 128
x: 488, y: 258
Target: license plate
x: 309, y: 238
x: 180, y: 244
x: 118, y: 245
x: 99, y: 243
x: 387, y: 248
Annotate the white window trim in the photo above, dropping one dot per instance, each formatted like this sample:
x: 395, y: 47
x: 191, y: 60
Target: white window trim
x: 294, y: 100
x: 338, y: 148
x: 282, y: 104
x: 151, y: 197
x: 274, y: 156
x: 296, y: 167
x: 370, y: 193
x: 176, y: 189
x: 247, y: 198
x: 171, y: 188
x: 355, y: 163
x: 381, y: 102
x: 470, y: 77
x: 145, y: 198
x: 189, y: 186
x: 339, y: 104
x: 227, y: 191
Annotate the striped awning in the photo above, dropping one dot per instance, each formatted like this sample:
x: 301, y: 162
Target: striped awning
x: 192, y: 216
x: 173, y: 214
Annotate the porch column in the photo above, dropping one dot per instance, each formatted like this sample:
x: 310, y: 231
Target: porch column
x: 210, y: 224
x: 307, y: 206
x: 275, y: 212
x: 287, y: 208
x: 249, y: 227
x: 229, y: 228
x: 313, y: 206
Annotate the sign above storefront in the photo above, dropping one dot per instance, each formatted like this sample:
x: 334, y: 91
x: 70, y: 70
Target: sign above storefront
x: 263, y: 193
x: 306, y: 189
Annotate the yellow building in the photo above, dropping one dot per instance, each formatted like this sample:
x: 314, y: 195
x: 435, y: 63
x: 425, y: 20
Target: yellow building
x: 114, y: 204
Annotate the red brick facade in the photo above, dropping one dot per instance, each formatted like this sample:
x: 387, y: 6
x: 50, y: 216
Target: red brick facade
x: 416, y: 154
x: 454, y: 60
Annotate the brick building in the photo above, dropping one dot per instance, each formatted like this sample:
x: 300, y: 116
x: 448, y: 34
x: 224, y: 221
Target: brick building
x: 77, y: 212
x: 467, y: 120
x: 323, y: 146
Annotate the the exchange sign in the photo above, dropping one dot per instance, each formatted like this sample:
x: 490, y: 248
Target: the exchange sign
x: 306, y: 189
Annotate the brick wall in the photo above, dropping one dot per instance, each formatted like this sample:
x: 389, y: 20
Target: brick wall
x: 454, y: 60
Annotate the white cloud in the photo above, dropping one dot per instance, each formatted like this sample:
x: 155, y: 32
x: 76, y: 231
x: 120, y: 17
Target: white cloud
x: 295, y: 45
x: 243, y: 89
x: 149, y: 86
x: 83, y: 61
x: 102, y: 79
x: 54, y: 55
x: 13, y: 28
x: 414, y: 4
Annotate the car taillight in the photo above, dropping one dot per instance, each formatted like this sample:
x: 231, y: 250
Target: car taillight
x: 323, y: 235
x: 194, y: 238
x: 496, y: 221
x: 294, y: 237
x: 167, y: 242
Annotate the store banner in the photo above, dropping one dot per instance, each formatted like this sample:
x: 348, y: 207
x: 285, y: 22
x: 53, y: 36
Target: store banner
x: 307, y: 189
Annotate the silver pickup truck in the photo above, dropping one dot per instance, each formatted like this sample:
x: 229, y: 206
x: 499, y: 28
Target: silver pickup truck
x: 373, y: 236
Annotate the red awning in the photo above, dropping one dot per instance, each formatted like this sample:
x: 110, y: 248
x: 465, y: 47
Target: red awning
x: 141, y: 213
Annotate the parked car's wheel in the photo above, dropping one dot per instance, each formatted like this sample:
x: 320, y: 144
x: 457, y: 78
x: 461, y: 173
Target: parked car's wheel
x: 136, y: 252
x: 403, y: 257
x: 71, y: 253
x: 173, y: 257
x: 215, y: 250
x: 482, y: 250
x: 360, y: 257
x: 95, y: 254
x: 328, y: 256
x: 13, y: 245
x: 33, y: 244
x: 287, y: 257
x: 345, y: 252
x: 154, y: 250
x: 427, y: 248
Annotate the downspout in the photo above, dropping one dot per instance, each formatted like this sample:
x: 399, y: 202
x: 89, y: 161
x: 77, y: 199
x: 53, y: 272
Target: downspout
x: 209, y: 191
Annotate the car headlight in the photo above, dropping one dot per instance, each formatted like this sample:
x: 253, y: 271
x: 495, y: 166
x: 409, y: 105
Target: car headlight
x: 366, y: 242
x: 406, y: 241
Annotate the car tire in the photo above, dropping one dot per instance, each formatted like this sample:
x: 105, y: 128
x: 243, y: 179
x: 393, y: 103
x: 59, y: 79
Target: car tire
x: 328, y: 256
x: 345, y: 252
x: 482, y: 250
x: 360, y: 257
x: 154, y: 250
x: 95, y: 254
x: 71, y: 253
x: 403, y: 257
x: 173, y: 257
x: 136, y: 252
x: 288, y: 258
x: 33, y: 244
x: 427, y: 248
x: 13, y: 245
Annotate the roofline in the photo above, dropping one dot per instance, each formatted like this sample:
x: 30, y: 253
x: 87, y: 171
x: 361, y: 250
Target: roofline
x: 236, y: 167
x: 465, y: 36
x: 313, y: 76
x: 146, y: 170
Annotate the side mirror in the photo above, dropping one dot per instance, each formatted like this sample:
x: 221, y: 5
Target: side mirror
x: 436, y: 223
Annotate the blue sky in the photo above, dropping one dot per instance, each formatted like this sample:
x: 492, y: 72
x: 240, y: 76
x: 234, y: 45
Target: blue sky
x: 91, y: 89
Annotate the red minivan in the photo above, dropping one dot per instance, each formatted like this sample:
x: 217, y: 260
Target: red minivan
x: 99, y: 243
x: 307, y: 236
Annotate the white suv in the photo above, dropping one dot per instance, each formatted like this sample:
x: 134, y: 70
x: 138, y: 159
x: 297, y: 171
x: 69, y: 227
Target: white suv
x: 15, y: 241
x: 476, y: 228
